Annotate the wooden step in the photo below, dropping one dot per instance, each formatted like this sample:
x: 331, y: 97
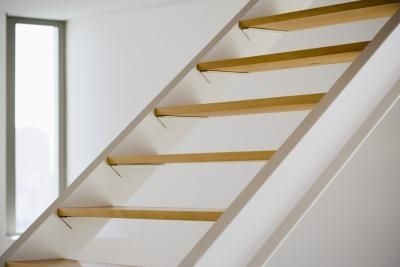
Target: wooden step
x: 243, y: 107
x: 147, y: 213
x: 324, y: 16
x: 294, y: 59
x: 191, y: 158
x: 59, y: 263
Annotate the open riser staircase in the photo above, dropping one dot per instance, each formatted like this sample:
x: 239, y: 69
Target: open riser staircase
x: 333, y: 124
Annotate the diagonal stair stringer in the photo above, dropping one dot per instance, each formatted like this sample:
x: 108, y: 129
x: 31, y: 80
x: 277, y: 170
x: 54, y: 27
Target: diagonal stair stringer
x: 264, y: 204
x: 296, y: 215
x: 35, y: 242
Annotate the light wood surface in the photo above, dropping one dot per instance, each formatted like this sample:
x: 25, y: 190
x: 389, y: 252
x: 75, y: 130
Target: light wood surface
x: 191, y: 158
x: 44, y: 263
x: 324, y: 16
x: 58, y: 263
x: 24, y: 243
x: 313, y: 134
x: 146, y: 213
x: 294, y: 59
x: 243, y: 107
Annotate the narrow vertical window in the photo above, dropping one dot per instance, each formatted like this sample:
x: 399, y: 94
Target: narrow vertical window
x: 35, y: 128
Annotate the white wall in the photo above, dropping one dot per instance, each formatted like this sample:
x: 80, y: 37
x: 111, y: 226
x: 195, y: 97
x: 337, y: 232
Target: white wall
x: 356, y: 221
x: 64, y: 10
x: 119, y: 61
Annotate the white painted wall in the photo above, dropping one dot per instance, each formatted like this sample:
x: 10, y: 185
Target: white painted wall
x: 117, y: 62
x: 275, y: 188
x: 64, y: 10
x: 187, y: 185
x: 356, y: 221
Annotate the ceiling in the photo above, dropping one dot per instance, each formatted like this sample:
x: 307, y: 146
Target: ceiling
x: 67, y: 9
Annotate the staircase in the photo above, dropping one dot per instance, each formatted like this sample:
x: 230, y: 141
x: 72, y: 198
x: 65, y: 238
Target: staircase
x: 34, y: 248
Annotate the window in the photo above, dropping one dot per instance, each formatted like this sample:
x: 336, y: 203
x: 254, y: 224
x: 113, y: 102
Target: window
x: 35, y: 114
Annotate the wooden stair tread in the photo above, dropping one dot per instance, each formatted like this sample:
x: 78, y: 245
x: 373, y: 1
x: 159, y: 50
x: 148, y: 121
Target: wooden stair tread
x: 294, y: 59
x: 146, y: 213
x: 243, y: 107
x: 191, y: 158
x: 59, y: 263
x: 324, y: 16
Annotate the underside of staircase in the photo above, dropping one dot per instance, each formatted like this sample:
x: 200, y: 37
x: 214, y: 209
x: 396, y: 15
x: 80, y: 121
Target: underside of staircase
x: 112, y: 164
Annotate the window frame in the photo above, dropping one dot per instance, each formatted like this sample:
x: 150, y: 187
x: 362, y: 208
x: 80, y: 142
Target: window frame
x: 10, y: 113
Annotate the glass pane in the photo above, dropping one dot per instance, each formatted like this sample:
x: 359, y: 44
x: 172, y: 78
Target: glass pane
x: 36, y: 120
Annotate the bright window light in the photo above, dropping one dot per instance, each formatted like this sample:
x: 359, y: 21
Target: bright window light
x: 36, y: 121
